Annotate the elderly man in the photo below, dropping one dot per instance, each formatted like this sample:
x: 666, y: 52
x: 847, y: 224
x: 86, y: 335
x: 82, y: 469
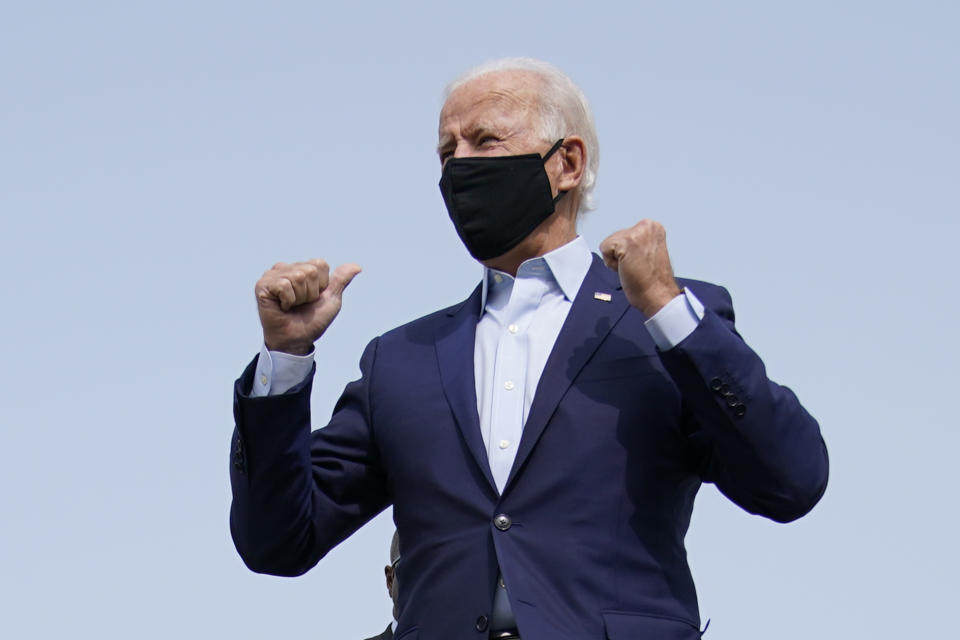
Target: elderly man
x: 542, y: 441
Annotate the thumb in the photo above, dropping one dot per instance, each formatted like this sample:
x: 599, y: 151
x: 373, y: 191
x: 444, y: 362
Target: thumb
x: 341, y: 277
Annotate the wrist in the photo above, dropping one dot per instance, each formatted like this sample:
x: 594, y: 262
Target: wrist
x: 293, y: 348
x: 658, y: 299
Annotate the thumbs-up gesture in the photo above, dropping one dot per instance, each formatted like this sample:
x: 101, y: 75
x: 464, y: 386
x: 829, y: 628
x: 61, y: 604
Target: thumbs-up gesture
x: 297, y: 302
x: 639, y: 255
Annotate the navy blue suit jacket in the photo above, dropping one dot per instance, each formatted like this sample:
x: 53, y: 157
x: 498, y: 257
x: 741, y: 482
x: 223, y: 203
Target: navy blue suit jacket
x: 618, y: 440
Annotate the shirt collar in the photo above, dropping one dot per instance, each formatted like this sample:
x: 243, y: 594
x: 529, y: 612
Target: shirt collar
x: 568, y: 264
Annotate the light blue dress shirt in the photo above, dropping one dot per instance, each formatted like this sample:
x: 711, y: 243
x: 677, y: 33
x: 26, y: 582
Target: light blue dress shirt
x: 520, y: 322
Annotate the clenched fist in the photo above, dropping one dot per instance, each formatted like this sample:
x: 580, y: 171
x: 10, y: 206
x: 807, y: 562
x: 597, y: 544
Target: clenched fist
x: 297, y: 302
x: 639, y: 255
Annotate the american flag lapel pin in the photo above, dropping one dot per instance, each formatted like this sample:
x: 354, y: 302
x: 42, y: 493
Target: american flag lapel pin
x: 599, y: 295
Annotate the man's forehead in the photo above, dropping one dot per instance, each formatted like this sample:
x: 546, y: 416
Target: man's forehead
x: 493, y: 92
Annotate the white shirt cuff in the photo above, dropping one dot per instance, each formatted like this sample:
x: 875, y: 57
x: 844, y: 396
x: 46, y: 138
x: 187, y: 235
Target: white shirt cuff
x: 676, y: 320
x: 278, y: 372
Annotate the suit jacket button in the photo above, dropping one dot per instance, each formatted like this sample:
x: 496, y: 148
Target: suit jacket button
x: 733, y: 401
x: 740, y: 410
x: 481, y: 623
x: 502, y: 522
x: 716, y: 383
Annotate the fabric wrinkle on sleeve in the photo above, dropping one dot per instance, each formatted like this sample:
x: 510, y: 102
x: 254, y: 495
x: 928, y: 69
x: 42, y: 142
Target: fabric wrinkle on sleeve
x: 676, y: 320
x: 278, y: 372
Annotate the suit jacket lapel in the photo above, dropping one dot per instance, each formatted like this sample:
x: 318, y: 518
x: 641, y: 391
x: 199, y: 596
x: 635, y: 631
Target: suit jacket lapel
x: 587, y: 324
x: 456, y: 337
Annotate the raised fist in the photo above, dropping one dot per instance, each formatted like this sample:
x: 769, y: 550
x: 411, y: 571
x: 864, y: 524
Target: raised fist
x: 639, y: 255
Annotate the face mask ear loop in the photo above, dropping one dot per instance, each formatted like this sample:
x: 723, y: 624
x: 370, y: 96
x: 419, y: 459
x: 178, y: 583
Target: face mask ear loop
x: 553, y: 149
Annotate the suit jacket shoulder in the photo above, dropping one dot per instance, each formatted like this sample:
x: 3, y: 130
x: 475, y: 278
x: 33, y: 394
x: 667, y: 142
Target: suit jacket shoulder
x: 713, y: 296
x: 422, y: 330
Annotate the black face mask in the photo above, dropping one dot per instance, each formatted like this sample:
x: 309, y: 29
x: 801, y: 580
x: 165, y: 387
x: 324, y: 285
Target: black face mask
x: 495, y: 202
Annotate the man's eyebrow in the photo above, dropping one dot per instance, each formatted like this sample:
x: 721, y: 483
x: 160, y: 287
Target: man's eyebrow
x: 470, y: 131
x: 445, y: 141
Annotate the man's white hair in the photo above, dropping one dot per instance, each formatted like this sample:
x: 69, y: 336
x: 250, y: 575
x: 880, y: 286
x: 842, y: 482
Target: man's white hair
x: 564, y: 111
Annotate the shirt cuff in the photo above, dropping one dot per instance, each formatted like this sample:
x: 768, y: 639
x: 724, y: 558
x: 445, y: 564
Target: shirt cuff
x: 676, y: 320
x: 278, y: 372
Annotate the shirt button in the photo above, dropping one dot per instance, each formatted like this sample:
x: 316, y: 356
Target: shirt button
x: 513, y: 328
x: 497, y: 278
x: 263, y: 380
x: 504, y: 444
x: 508, y: 385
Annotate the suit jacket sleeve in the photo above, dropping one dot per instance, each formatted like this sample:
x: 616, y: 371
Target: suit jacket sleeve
x: 751, y: 436
x: 297, y: 494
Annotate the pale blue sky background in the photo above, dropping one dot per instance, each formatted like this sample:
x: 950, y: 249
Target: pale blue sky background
x: 155, y: 158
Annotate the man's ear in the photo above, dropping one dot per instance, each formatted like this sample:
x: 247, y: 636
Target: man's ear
x: 573, y: 162
x: 388, y: 573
